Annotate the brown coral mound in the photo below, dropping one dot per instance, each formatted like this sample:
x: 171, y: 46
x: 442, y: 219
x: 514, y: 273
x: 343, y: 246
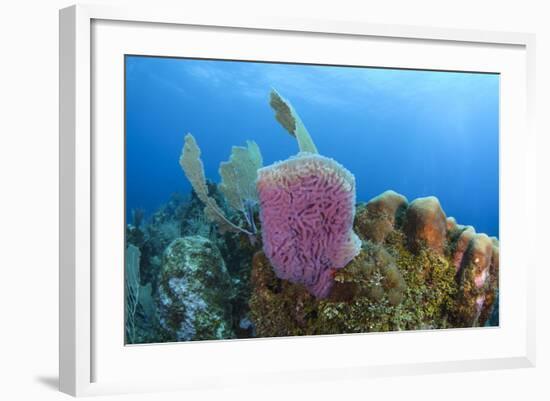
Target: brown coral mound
x: 477, y: 278
x: 461, y: 245
x: 377, y: 218
x: 404, y: 278
x: 426, y: 224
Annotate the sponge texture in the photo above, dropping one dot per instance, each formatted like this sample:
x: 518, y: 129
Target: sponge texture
x: 307, y: 212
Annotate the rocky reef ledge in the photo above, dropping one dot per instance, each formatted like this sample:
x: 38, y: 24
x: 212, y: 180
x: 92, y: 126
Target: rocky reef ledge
x: 417, y: 269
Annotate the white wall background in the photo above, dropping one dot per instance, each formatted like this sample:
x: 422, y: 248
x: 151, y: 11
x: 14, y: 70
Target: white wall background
x: 29, y: 185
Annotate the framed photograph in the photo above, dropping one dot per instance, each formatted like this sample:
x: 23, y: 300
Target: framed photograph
x: 273, y: 200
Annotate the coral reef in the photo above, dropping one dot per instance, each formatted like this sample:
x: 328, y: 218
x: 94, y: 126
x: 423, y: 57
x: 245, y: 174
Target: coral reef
x: 307, y: 212
x: 404, y: 278
x: 195, y: 291
x: 322, y: 264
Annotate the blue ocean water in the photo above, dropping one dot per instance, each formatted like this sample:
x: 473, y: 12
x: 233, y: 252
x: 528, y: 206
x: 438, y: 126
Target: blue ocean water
x: 419, y: 133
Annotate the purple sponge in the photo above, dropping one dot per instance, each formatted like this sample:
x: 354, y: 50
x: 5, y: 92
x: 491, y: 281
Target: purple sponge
x: 307, y: 207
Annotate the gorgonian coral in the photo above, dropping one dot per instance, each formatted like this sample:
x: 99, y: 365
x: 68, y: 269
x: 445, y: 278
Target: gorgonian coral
x: 239, y: 180
x: 239, y: 176
x: 290, y: 120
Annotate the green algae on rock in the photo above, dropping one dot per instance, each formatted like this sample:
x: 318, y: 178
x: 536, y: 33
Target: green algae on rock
x: 382, y: 289
x: 195, y: 291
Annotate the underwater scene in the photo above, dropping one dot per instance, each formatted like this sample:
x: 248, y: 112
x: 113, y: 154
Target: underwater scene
x: 278, y: 199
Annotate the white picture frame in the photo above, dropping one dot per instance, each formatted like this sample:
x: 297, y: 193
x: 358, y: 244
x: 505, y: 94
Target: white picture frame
x: 83, y: 344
